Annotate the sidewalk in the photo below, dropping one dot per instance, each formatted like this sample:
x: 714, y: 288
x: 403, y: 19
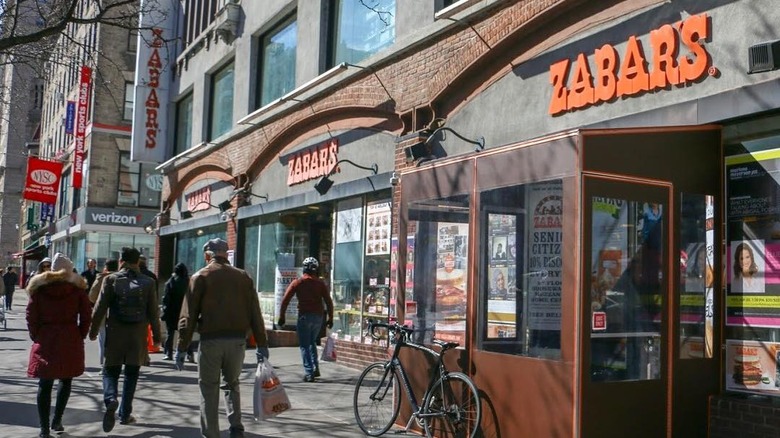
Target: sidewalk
x: 167, y: 401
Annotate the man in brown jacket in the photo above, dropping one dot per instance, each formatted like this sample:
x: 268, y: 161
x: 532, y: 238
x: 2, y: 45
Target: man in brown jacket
x: 223, y: 302
x: 130, y: 301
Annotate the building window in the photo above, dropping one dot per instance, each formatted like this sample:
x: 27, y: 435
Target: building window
x: 183, y: 132
x: 221, y: 114
x: 132, y: 40
x: 277, y: 69
x: 198, y: 15
x: 129, y: 98
x: 139, y: 184
x: 361, y: 29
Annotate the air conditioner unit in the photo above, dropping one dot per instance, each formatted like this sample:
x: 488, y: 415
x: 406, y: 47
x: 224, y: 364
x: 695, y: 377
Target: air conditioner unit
x: 227, y: 18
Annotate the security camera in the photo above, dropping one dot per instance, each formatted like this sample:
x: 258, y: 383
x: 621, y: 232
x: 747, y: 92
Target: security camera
x: 224, y: 217
x: 395, y: 179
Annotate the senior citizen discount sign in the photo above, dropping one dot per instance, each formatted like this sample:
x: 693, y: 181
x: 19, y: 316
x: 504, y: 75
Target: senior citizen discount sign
x: 43, y: 178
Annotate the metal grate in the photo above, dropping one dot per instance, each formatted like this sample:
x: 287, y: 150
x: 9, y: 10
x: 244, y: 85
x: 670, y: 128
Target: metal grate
x: 764, y: 57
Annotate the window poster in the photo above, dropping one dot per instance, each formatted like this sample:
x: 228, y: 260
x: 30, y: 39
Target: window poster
x: 502, y: 268
x: 378, y: 229
x: 348, y: 224
x: 393, y: 276
x: 752, y: 366
x: 753, y: 237
x: 451, y: 277
x: 544, y: 236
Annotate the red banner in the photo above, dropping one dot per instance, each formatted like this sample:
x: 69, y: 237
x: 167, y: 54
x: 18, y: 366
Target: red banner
x: 81, y: 125
x: 43, y: 180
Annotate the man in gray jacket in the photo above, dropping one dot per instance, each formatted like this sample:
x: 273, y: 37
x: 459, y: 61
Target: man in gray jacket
x: 223, y: 303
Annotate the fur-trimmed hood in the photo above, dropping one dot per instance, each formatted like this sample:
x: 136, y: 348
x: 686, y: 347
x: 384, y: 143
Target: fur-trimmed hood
x: 51, y: 277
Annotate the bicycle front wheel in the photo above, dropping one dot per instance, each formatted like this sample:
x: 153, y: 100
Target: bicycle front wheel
x: 377, y: 398
x: 452, y: 408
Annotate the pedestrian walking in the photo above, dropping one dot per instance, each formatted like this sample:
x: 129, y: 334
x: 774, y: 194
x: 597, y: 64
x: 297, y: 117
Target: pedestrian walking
x: 128, y: 303
x: 90, y: 274
x: 312, y: 293
x: 222, y: 302
x: 109, y: 267
x: 43, y: 266
x: 10, y: 279
x: 58, y: 317
x: 175, y: 291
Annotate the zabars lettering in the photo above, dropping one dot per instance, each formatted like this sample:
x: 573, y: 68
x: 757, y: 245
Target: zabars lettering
x: 313, y: 163
x: 669, y: 66
x: 152, y: 103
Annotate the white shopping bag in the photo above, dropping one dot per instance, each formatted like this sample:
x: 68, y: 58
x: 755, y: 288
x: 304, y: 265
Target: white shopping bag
x: 329, y: 351
x: 270, y: 397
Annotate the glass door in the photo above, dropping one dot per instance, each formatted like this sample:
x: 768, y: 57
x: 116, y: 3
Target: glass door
x: 626, y: 296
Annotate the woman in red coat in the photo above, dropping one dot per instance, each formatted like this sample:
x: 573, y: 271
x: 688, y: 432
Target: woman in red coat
x: 58, y: 318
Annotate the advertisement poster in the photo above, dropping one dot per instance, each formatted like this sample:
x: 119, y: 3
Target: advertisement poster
x: 753, y: 236
x: 378, y: 229
x: 752, y: 366
x: 409, y: 283
x: 393, y: 276
x: 502, y: 311
x: 43, y: 180
x: 544, y: 234
x: 451, y: 277
x: 285, y: 276
x: 348, y: 225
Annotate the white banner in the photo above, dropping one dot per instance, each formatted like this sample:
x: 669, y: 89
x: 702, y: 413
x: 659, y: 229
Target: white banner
x: 156, y: 55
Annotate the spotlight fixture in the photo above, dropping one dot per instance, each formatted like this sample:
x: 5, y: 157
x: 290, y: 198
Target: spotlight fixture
x: 186, y: 214
x: 479, y: 142
x: 324, y: 184
x: 224, y: 206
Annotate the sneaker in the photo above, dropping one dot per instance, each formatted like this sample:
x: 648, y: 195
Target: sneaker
x: 109, y: 418
x: 316, y: 372
x: 130, y: 419
x: 168, y: 357
x: 308, y: 378
x: 191, y: 358
x: 56, y: 425
x: 236, y: 433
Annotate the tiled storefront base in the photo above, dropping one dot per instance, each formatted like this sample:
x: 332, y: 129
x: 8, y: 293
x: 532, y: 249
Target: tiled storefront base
x: 350, y: 354
x: 743, y: 416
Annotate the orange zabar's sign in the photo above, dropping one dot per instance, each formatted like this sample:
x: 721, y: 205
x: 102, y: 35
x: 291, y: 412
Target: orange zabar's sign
x: 313, y: 163
x: 668, y: 67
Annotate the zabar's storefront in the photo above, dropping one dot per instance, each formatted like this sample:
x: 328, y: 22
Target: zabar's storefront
x: 614, y: 259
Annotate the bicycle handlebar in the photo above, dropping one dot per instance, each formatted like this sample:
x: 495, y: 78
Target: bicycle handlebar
x: 394, y: 327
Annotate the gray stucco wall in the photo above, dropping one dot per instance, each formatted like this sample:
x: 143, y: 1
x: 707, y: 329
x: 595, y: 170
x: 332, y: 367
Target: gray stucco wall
x: 518, y: 103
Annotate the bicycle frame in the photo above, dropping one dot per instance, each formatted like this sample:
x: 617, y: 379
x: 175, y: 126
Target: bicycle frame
x: 395, y: 363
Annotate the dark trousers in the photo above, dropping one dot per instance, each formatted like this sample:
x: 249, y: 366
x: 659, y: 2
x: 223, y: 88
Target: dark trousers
x: 111, y: 387
x: 44, y: 400
x: 169, y: 348
x: 9, y: 299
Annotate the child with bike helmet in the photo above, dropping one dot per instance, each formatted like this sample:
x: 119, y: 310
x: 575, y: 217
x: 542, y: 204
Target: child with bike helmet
x: 313, y: 296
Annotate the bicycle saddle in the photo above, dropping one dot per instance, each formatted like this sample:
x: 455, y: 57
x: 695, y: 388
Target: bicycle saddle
x: 445, y: 345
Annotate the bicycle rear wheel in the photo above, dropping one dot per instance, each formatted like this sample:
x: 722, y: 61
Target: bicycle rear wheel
x: 452, y: 408
x: 377, y: 398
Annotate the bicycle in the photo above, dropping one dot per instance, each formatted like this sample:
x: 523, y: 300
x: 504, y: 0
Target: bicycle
x: 450, y: 406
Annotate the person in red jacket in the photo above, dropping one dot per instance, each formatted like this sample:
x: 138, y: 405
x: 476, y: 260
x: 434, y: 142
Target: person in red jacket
x: 58, y: 318
x: 312, y: 293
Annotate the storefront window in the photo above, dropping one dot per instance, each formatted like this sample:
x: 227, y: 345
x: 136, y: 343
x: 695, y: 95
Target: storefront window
x: 626, y: 282
x: 189, y: 246
x: 440, y: 269
x: 347, y: 269
x: 697, y: 239
x: 752, y: 266
x: 522, y: 283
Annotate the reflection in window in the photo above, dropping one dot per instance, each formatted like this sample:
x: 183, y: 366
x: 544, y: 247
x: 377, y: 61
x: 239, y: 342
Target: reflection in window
x: 221, y: 102
x: 139, y: 183
x: 626, y: 300
x: 521, y: 282
x: 183, y: 134
x: 277, y: 75
x: 440, y: 268
x: 696, y: 276
x: 361, y: 31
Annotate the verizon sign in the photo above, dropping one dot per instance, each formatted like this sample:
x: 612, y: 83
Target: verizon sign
x: 118, y: 217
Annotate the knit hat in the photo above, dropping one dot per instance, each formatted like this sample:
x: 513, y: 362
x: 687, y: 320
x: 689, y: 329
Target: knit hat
x: 61, y: 262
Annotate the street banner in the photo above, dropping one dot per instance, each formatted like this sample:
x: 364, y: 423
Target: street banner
x: 156, y: 54
x: 47, y: 213
x: 70, y: 116
x: 43, y: 178
x: 81, y: 126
